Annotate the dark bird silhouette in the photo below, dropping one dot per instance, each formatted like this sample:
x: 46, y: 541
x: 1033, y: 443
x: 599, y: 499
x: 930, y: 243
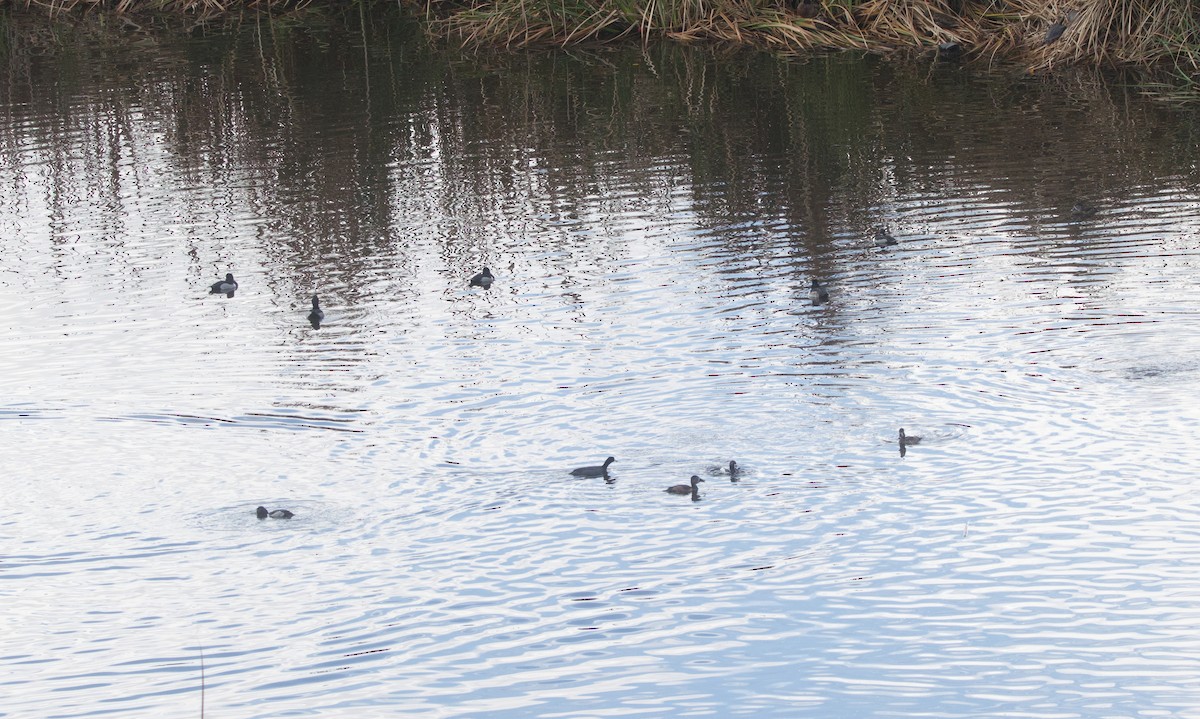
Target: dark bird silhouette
x: 685, y: 488
x: 1056, y: 30
x: 949, y: 50
x: 225, y: 286
x: 808, y: 9
x: 906, y: 441
x: 1082, y: 210
x: 596, y: 471
x: 483, y: 279
x: 818, y: 293
x: 316, y: 314
x: 883, y: 238
x: 262, y: 513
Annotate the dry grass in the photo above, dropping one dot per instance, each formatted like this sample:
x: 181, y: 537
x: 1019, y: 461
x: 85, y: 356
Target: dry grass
x: 1101, y: 32
x: 1158, y: 36
x: 203, y: 8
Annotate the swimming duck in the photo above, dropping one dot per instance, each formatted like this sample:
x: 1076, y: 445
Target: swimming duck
x: 597, y: 471
x: 883, y: 238
x: 483, y: 279
x: 949, y: 50
x: 685, y: 488
x: 734, y: 470
x: 818, y: 293
x: 316, y: 314
x: 908, y: 439
x: 262, y: 513
x: 225, y: 286
x: 1082, y: 210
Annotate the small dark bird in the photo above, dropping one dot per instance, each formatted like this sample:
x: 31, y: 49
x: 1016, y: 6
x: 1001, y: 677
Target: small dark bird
x: 597, y: 471
x: 818, y: 293
x: 1055, y: 32
x: 1057, y: 29
x: 808, y: 9
x: 262, y: 513
x: 908, y: 440
x: 735, y: 471
x: 685, y: 488
x: 1082, y: 210
x: 949, y: 50
x: 316, y: 315
x: 225, y: 286
x: 483, y: 279
x: 883, y: 238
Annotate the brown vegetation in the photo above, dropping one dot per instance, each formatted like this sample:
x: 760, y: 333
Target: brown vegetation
x: 1160, y: 35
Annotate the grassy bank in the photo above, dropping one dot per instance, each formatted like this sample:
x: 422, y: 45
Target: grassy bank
x: 1039, y: 32
x: 1161, y: 37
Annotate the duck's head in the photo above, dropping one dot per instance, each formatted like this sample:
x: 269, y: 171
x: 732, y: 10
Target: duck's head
x: 261, y: 512
x: 609, y: 461
x: 696, y: 480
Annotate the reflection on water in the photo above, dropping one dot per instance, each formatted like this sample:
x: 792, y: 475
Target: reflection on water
x: 653, y: 221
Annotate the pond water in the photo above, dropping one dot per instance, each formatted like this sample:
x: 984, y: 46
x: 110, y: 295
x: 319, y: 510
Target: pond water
x: 654, y: 218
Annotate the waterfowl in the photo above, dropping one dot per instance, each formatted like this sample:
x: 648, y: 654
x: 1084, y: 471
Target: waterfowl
x: 316, y: 314
x: 908, y: 439
x: 685, y: 488
x: 225, y: 286
x: 949, y: 50
x: 483, y: 279
x: 1057, y: 29
x: 1055, y: 32
x: 808, y: 9
x: 734, y: 470
x: 883, y: 238
x: 1082, y: 210
x: 262, y: 513
x: 597, y: 471
x: 818, y: 293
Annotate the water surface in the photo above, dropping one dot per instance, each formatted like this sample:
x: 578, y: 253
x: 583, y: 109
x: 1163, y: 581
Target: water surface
x: 653, y: 218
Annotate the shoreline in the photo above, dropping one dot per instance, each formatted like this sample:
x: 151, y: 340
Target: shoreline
x: 1038, y: 35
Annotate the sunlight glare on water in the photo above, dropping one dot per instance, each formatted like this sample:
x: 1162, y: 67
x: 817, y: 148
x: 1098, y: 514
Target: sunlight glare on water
x: 654, y: 218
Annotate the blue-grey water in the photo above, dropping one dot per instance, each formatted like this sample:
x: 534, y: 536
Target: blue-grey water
x: 653, y: 217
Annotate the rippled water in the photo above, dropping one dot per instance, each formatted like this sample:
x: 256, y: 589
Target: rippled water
x: 653, y: 220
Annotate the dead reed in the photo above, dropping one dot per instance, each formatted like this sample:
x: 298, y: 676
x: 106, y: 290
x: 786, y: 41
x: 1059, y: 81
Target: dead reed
x: 1159, y: 37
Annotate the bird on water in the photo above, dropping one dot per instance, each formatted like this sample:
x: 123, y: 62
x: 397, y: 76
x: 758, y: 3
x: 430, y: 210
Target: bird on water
x: 818, y: 293
x: 908, y: 439
x: 483, y: 279
x: 263, y: 513
x: 685, y: 488
x: 317, y: 314
x: 600, y: 470
x: 1082, y: 210
x: 225, y: 286
x: 883, y: 238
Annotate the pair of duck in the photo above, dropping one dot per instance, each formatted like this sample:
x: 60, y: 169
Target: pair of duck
x: 601, y: 470
x: 819, y: 294
x: 229, y: 285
